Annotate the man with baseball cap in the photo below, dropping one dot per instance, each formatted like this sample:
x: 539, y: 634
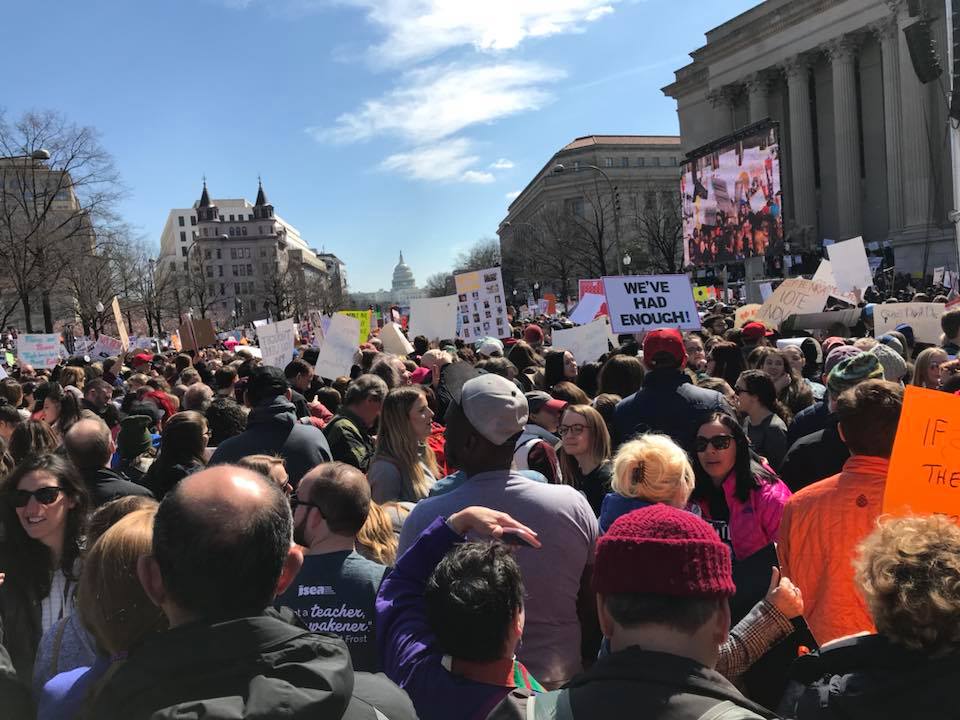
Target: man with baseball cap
x: 754, y: 335
x: 668, y: 402
x: 665, y: 627
x: 537, y: 445
x: 483, y: 423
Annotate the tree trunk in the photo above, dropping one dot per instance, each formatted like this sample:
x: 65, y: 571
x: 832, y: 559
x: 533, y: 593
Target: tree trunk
x: 47, y: 312
x: 27, y: 320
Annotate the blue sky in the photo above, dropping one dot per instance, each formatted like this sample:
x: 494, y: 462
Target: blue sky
x: 377, y: 125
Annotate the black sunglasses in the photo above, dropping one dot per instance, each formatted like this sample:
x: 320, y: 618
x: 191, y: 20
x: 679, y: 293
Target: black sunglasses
x: 44, y: 496
x: 295, y: 502
x: 719, y: 442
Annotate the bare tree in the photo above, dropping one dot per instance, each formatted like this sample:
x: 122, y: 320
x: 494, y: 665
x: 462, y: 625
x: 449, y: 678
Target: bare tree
x: 440, y: 285
x: 279, y: 288
x: 58, y: 188
x: 660, y: 233
x: 484, y: 253
x: 203, y: 286
x: 591, y: 219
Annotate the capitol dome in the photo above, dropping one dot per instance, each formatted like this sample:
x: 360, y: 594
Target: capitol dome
x: 403, y: 276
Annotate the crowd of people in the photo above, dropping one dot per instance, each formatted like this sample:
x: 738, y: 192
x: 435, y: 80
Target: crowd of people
x: 689, y: 527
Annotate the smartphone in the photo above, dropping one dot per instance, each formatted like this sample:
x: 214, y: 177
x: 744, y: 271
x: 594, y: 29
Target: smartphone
x: 513, y: 536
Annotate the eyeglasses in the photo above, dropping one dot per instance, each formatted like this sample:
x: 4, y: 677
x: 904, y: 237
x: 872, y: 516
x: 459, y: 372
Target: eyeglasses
x: 44, y: 496
x: 571, y: 429
x: 719, y: 442
x: 296, y: 502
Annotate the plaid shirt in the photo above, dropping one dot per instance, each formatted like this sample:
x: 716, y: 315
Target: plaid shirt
x: 762, y: 628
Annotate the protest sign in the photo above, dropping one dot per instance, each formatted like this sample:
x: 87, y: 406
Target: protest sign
x: 480, y: 305
x: 38, y: 349
x: 766, y: 290
x: 260, y: 323
x: 175, y: 341
x: 106, y: 347
x: 339, y: 345
x: 197, y: 333
x: 543, y: 306
x: 924, y: 474
x: 364, y: 320
x: 587, y: 309
x: 646, y: 302
x: 394, y: 341
x: 11, y: 360
x: 824, y: 275
x: 823, y: 321
x: 276, y: 343
x: 938, y: 275
x: 924, y: 318
x: 586, y: 342
x: 551, y: 303
x: 848, y: 260
x: 434, y: 318
x: 593, y: 287
x: 745, y: 314
x: 784, y: 342
x: 794, y: 296
x: 121, y: 328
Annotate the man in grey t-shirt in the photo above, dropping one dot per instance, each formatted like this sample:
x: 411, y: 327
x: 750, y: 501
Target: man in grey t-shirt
x: 482, y: 426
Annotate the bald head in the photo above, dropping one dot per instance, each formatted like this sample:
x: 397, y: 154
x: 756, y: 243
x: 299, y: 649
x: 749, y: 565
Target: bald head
x: 220, y: 540
x: 89, y: 444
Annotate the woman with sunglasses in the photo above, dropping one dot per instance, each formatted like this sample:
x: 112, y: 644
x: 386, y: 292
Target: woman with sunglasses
x: 585, y: 453
x: 765, y: 417
x: 43, y: 505
x: 743, y: 499
x: 182, y: 452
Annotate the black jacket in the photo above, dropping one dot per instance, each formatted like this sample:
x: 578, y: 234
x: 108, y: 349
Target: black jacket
x: 160, y: 481
x: 667, y: 403
x: 105, y: 485
x: 15, y: 697
x: 809, y: 420
x: 870, y: 677
x: 814, y: 457
x: 20, y: 623
x: 255, y: 667
x: 273, y: 428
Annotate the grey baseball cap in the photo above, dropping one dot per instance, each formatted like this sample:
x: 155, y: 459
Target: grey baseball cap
x: 495, y: 407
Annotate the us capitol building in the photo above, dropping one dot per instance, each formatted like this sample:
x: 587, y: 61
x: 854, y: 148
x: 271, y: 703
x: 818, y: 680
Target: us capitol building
x: 402, y: 291
x: 865, y: 143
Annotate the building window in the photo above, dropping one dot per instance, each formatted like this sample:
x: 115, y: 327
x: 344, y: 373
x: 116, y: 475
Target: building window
x: 249, y: 217
x: 181, y: 220
x: 221, y: 218
x: 259, y: 229
x: 575, y: 207
x: 625, y: 162
x: 209, y: 270
x: 193, y: 234
x: 219, y: 254
x: 231, y: 218
x: 250, y: 269
x: 576, y: 166
x: 233, y: 253
x: 656, y: 162
x: 204, y: 231
x: 263, y: 252
x: 243, y: 230
x: 236, y: 270
x: 183, y: 237
x: 210, y: 289
x: 220, y: 268
x: 641, y: 162
x: 183, y: 250
x: 223, y: 289
x: 243, y: 271
x: 236, y: 288
x: 608, y: 162
x: 193, y: 219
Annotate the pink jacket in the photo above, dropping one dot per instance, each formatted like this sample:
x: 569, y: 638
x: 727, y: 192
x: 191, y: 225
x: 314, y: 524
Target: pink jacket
x: 754, y: 524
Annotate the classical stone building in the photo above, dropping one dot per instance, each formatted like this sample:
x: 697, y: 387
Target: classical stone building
x: 643, y: 173
x: 238, y: 262
x: 864, y: 142
x: 402, y: 290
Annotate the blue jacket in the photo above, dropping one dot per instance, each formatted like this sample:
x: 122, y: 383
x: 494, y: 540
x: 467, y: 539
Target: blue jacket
x: 614, y: 506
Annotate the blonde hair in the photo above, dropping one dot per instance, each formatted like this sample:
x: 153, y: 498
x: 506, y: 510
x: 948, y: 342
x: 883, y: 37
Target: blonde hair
x: 262, y: 464
x: 922, y: 365
x: 72, y: 375
x: 112, y: 604
x: 908, y: 570
x: 396, y: 442
x: 376, y: 540
x: 653, y: 468
x: 599, y: 442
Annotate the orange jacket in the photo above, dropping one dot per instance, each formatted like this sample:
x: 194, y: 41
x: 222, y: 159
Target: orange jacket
x: 821, y: 527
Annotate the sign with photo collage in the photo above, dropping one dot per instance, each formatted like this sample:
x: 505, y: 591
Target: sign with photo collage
x: 481, y: 309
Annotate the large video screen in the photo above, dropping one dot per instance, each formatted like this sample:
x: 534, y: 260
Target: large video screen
x: 732, y: 203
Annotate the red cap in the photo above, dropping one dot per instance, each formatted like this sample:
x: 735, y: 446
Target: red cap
x: 755, y: 331
x: 665, y: 340
x: 142, y: 359
x: 533, y: 334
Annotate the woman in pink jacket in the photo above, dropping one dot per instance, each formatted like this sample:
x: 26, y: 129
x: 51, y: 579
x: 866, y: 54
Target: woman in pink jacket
x: 743, y: 499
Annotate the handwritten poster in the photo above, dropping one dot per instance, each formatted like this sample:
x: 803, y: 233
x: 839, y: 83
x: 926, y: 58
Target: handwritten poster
x: 276, y: 343
x: 38, y: 349
x: 586, y: 342
x: 924, y: 318
x: 339, y: 346
x: 745, y: 314
x: 106, y: 347
x: 481, y: 305
x: 364, y: 320
x: 794, y: 296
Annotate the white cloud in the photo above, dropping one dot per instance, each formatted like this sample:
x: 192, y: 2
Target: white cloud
x: 419, y: 29
x: 501, y: 164
x: 436, y: 102
x: 444, y: 161
x: 513, y: 195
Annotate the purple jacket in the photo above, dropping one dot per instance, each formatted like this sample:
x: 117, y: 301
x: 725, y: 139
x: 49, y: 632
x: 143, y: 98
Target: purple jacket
x: 754, y: 524
x: 408, y: 648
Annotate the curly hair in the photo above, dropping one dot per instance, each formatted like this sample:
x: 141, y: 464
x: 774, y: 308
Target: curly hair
x: 654, y: 468
x: 908, y: 570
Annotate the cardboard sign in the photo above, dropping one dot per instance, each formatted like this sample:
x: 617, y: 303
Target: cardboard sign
x: 364, y: 320
x: 938, y: 275
x: 924, y: 474
x: 745, y: 314
x: 824, y: 275
x: 587, y: 309
x: 121, y: 328
x: 38, y: 349
x: 586, y: 342
x: 848, y: 260
x: 197, y: 333
x: 339, y: 346
x: 647, y: 302
x: 593, y: 287
x: 434, y: 318
x: 276, y: 343
x: 924, y: 318
x: 794, y: 296
x: 106, y: 347
x: 394, y: 341
x: 260, y: 323
x: 481, y: 305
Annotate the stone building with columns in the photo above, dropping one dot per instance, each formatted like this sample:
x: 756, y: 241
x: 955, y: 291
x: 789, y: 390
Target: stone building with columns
x: 865, y: 145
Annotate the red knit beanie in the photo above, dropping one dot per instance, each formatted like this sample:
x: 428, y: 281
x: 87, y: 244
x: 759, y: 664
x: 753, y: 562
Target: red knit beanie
x: 660, y: 550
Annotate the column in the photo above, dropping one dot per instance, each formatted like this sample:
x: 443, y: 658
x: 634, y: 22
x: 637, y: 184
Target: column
x: 915, y: 152
x: 757, y: 85
x: 797, y: 70
x: 722, y: 101
x: 886, y: 32
x: 846, y: 133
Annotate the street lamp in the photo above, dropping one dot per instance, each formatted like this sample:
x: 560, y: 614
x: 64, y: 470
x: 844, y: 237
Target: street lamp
x: 627, y: 260
x: 614, y: 196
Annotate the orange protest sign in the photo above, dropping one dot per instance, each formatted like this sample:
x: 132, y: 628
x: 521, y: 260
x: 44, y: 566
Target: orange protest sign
x: 924, y: 475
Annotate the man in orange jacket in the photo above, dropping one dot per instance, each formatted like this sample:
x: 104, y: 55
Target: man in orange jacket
x: 825, y: 522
